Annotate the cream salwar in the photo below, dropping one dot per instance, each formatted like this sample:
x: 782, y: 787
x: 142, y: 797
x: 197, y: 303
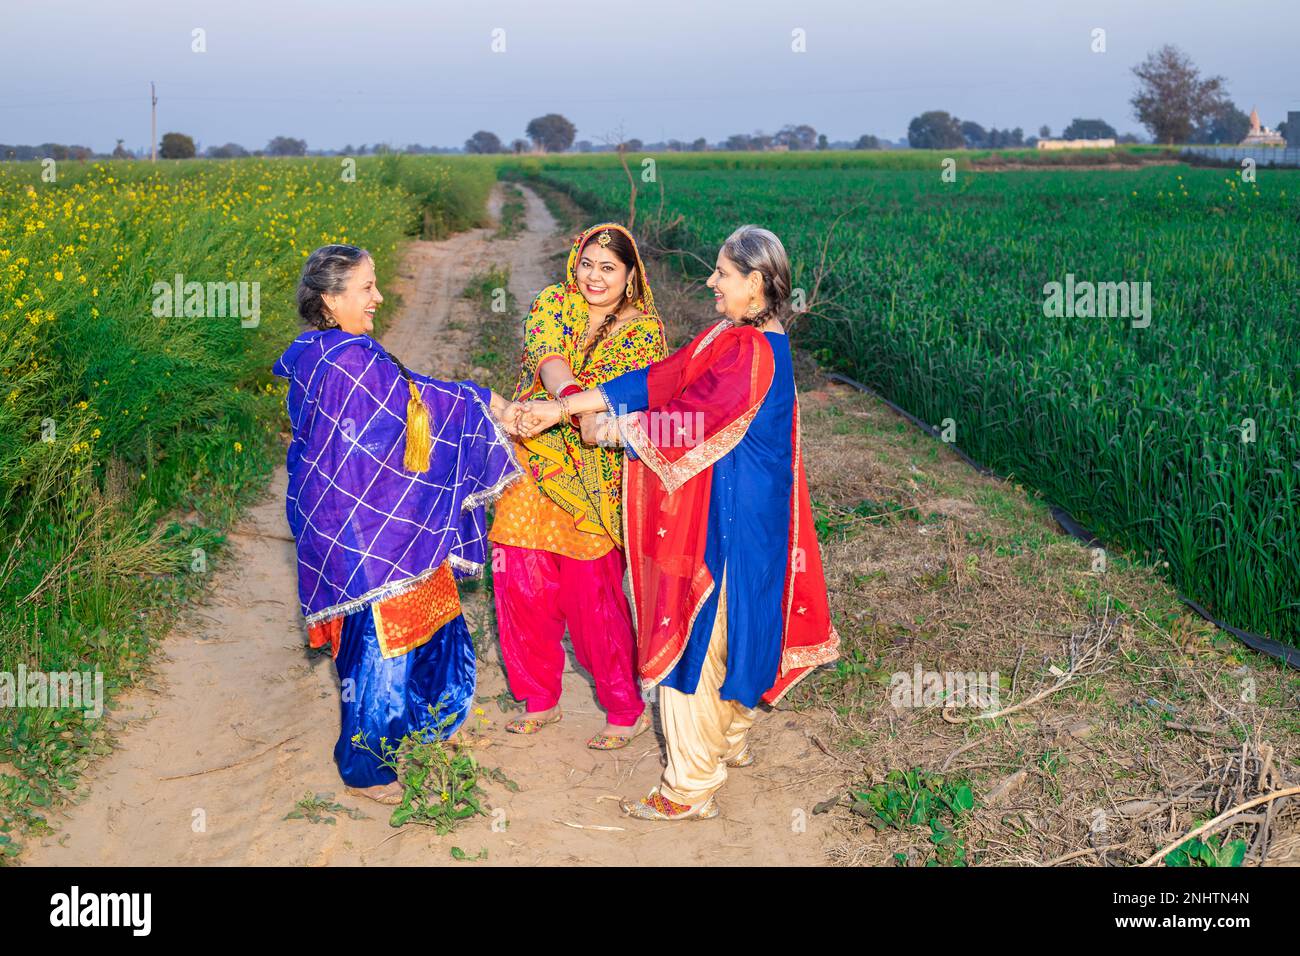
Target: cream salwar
x: 701, y: 730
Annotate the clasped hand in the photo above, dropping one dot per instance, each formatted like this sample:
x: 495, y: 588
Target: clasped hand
x: 527, y: 419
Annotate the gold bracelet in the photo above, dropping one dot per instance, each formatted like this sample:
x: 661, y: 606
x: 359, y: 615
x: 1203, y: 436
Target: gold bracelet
x: 564, y: 406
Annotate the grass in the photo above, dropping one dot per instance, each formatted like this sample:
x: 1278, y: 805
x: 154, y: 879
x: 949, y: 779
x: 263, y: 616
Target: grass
x: 511, y: 221
x: 130, y: 438
x: 933, y: 293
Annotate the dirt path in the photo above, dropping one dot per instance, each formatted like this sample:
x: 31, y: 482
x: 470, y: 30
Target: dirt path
x: 240, y: 719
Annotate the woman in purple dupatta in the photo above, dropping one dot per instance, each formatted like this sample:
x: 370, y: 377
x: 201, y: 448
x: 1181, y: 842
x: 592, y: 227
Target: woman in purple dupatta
x: 389, y: 473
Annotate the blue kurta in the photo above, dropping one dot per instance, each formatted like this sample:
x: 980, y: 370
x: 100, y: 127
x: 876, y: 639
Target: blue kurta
x: 748, y: 535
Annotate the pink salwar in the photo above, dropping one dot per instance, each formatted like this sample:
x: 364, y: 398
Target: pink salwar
x: 537, y: 594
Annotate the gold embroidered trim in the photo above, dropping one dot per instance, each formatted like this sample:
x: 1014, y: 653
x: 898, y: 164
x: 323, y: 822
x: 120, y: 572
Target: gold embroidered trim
x: 690, y: 626
x: 835, y: 638
x: 797, y: 657
x: 675, y: 474
x: 713, y: 334
x: 794, y: 514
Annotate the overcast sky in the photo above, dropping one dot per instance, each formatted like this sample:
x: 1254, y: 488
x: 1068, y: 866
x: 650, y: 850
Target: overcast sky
x: 337, y: 72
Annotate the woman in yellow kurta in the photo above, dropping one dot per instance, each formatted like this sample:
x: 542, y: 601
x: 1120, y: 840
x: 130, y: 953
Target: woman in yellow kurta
x: 558, y: 540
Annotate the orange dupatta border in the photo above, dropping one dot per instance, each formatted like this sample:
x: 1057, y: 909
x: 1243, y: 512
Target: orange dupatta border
x: 403, y: 621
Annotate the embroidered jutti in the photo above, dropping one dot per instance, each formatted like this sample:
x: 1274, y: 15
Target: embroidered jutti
x: 379, y: 548
x: 715, y: 485
x: 557, y: 559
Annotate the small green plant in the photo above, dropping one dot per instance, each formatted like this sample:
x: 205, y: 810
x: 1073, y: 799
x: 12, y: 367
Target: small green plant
x: 916, y: 798
x: 1196, y: 852
x: 505, y: 702
x: 458, y: 854
x: 320, y: 808
x: 440, y: 781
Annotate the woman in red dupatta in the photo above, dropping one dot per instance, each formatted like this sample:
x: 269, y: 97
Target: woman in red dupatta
x: 728, y: 590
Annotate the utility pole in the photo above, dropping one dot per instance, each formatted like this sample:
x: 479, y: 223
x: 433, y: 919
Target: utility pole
x: 153, y: 123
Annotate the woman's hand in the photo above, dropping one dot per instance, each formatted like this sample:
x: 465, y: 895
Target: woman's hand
x: 537, y: 416
x: 506, y: 413
x: 600, y: 428
x: 510, y: 419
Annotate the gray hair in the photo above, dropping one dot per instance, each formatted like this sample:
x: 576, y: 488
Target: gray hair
x: 326, y: 270
x: 753, y: 248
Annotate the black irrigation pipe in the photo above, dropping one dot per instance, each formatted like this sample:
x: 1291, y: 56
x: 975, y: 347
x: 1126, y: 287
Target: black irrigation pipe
x: 1257, y: 642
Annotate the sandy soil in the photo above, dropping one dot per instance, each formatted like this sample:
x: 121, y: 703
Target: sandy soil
x: 240, y: 719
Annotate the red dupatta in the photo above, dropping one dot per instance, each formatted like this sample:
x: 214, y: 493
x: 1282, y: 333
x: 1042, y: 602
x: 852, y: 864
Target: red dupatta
x: 707, y: 393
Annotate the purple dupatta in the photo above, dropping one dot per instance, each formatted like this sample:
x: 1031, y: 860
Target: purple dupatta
x: 367, y: 529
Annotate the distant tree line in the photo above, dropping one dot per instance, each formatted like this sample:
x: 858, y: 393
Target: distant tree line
x: 1172, y: 101
x: 45, y: 151
x: 554, y: 133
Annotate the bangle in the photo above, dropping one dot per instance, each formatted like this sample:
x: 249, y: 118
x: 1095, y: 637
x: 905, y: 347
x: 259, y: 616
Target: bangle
x: 562, y: 388
x: 564, y: 407
x: 572, y: 388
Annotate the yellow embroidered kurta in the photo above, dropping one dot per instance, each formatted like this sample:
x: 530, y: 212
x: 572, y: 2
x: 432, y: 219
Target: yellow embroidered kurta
x: 526, y: 518
x: 579, y: 484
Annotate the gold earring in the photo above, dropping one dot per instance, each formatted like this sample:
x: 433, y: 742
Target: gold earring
x: 754, y: 307
x: 631, y: 285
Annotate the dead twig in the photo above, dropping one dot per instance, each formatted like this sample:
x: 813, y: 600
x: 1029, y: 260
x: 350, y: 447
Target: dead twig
x: 232, y: 766
x: 1215, y: 824
x: 1082, y: 659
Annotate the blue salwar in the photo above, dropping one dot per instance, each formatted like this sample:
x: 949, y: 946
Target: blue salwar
x: 391, y: 697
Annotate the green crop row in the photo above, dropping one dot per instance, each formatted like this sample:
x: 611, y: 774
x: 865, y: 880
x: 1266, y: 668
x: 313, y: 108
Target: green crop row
x: 1175, y: 434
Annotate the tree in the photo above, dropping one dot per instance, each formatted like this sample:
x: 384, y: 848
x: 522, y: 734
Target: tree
x: 229, y: 151
x: 519, y: 146
x: 935, y: 129
x: 1227, y: 124
x: 974, y: 135
x: 1044, y: 132
x: 119, y: 151
x: 802, y: 136
x: 483, y: 142
x: 176, y: 146
x: 1171, y: 98
x: 737, y: 142
x: 867, y: 141
x: 699, y: 145
x: 634, y: 145
x: 1004, y: 138
x: 821, y: 141
x: 551, y: 133
x: 1089, y: 129
x: 286, y: 146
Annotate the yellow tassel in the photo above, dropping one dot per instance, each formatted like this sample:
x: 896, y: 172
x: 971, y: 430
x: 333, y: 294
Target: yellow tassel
x: 419, y: 441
